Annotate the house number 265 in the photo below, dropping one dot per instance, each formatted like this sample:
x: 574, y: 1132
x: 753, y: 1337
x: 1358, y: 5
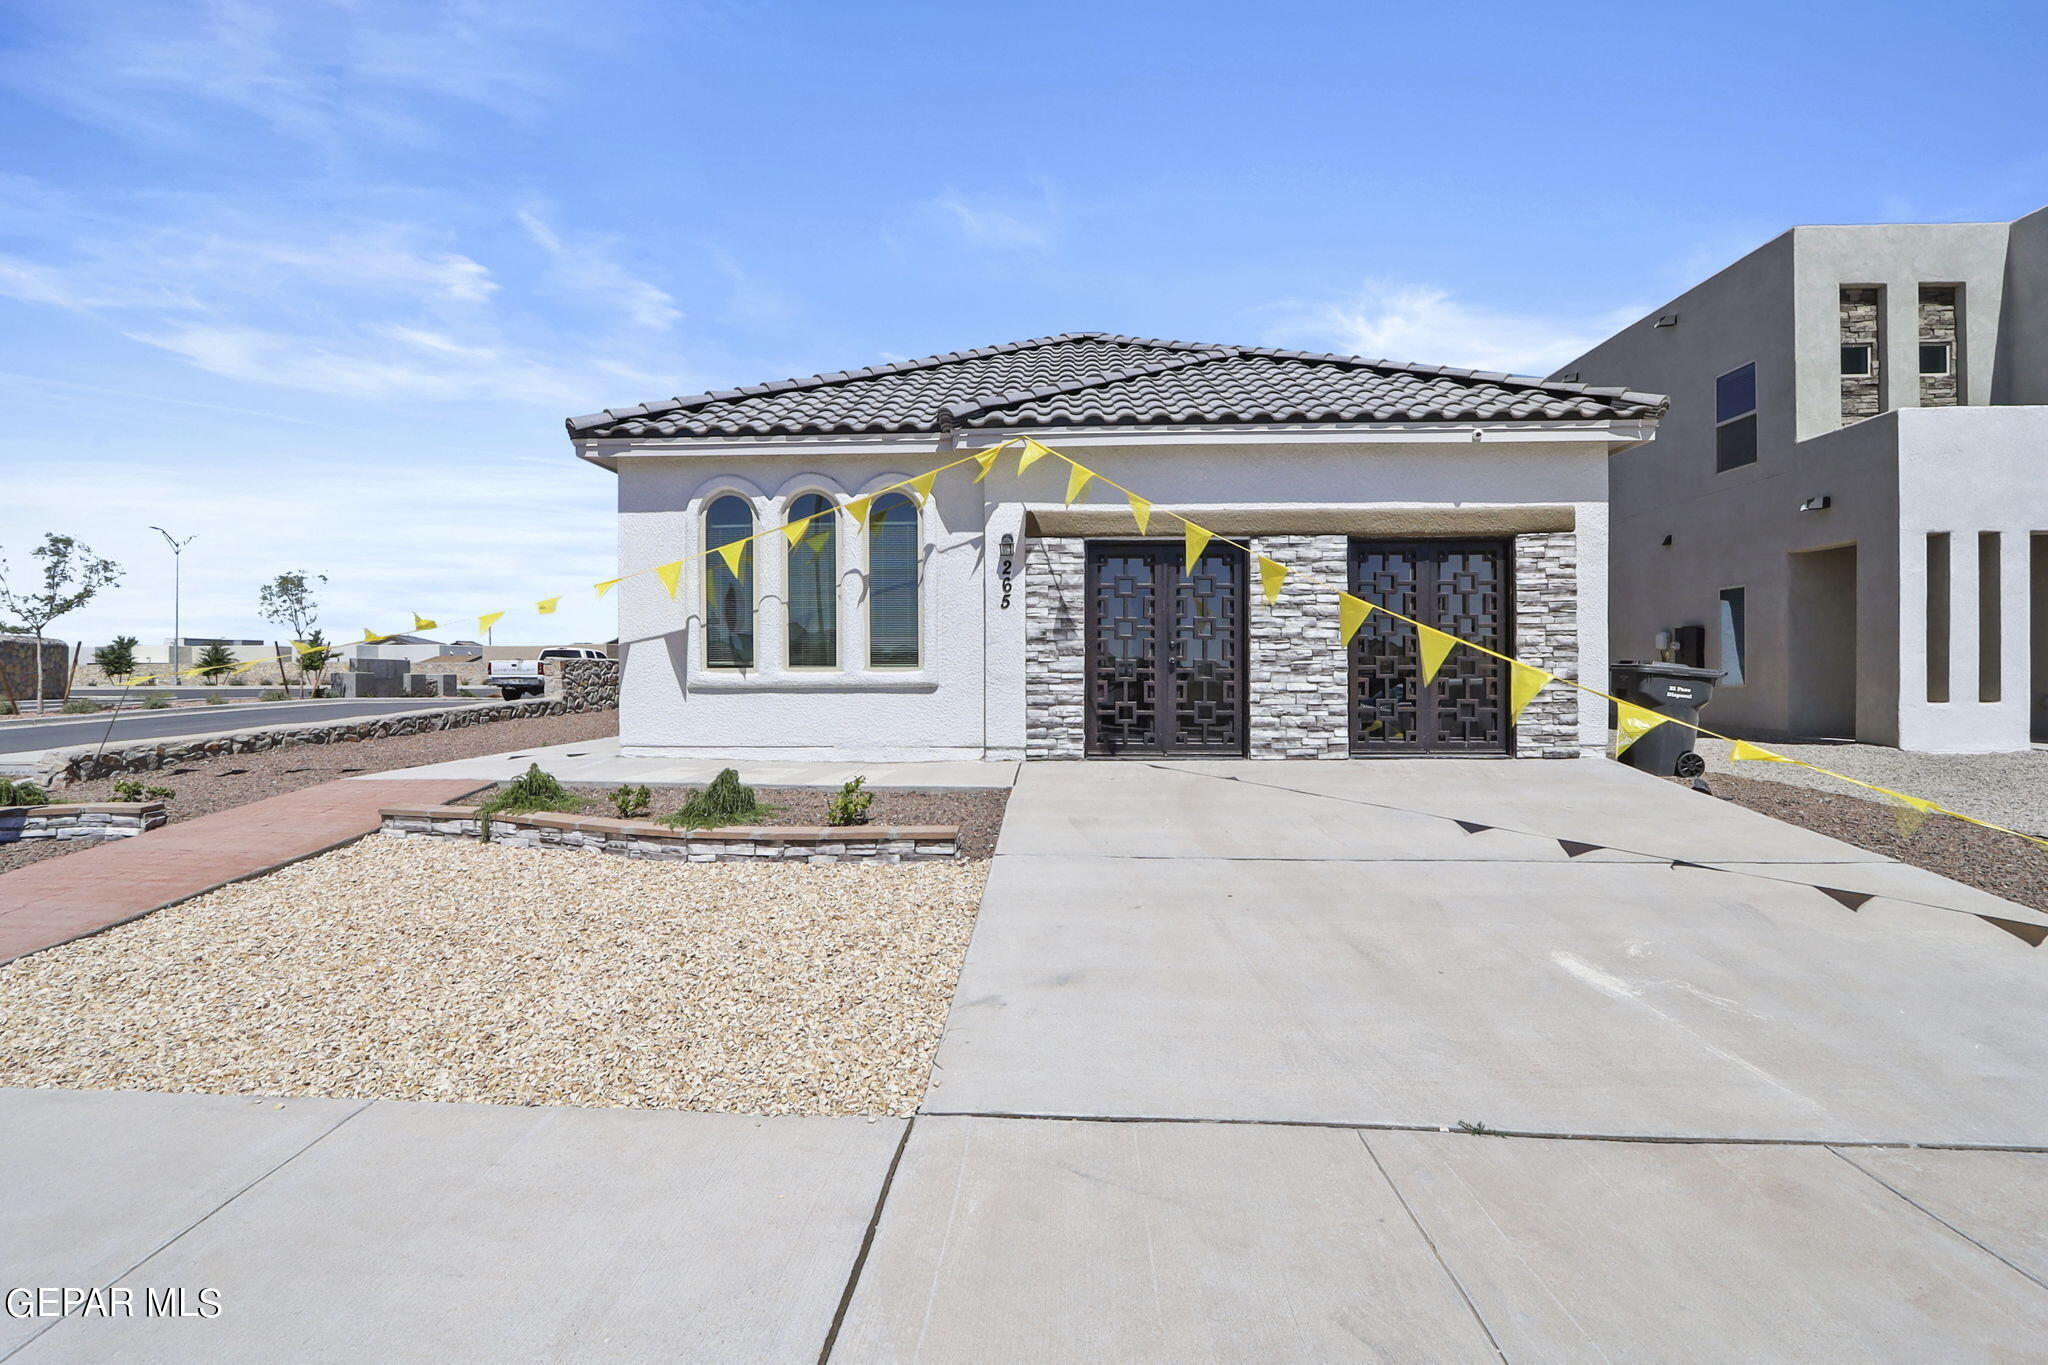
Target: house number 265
x: 1006, y: 562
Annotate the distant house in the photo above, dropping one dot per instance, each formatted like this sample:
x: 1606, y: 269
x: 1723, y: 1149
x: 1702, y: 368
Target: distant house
x: 1847, y: 508
x: 995, y: 621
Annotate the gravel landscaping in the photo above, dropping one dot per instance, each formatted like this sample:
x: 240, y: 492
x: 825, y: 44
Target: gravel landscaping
x: 2007, y: 789
x: 425, y: 970
x: 215, y: 784
x: 1983, y: 858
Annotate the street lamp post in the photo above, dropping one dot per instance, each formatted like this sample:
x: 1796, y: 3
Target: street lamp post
x: 177, y: 592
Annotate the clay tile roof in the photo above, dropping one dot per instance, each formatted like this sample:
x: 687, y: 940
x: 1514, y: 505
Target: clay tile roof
x: 1093, y: 379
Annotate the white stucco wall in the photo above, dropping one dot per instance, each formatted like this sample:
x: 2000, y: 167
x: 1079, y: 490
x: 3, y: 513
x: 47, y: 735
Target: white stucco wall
x: 967, y: 699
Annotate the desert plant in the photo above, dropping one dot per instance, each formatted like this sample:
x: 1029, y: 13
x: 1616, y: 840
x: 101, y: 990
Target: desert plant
x: 21, y: 793
x: 724, y: 802
x: 531, y: 791
x: 631, y: 802
x: 155, y: 701
x: 215, y: 660
x: 288, y: 600
x: 8, y: 708
x: 72, y: 576
x: 216, y: 699
x: 134, y: 789
x: 850, y: 805
x: 275, y: 694
x: 116, y: 660
x: 82, y: 706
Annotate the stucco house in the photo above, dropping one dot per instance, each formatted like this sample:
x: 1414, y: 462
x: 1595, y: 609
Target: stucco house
x: 996, y: 621
x: 1846, y: 509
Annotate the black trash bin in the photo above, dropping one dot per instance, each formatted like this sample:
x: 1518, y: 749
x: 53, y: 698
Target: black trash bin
x: 1672, y: 690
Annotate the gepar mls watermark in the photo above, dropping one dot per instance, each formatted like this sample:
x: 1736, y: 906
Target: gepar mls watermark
x: 110, y: 1301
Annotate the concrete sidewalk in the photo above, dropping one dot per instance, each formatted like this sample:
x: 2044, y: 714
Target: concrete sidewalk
x: 598, y: 762
x: 54, y: 900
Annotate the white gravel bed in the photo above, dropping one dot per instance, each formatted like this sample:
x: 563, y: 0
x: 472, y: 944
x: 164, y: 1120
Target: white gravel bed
x: 423, y: 969
x: 2007, y: 789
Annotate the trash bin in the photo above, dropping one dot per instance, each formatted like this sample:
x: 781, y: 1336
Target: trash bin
x: 1673, y: 690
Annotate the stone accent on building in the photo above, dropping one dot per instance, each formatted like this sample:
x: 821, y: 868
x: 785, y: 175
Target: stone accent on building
x: 650, y: 839
x: 99, y: 820
x: 1547, y: 637
x: 1299, y: 684
x: 1862, y: 313
x: 1938, y: 323
x: 18, y: 660
x: 583, y: 684
x: 1055, y: 667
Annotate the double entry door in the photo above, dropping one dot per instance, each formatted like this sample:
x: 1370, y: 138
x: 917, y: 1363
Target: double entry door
x: 1166, y: 650
x: 1460, y: 586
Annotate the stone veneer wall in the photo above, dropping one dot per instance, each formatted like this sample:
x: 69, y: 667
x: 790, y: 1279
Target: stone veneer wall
x: 1547, y: 636
x: 584, y: 684
x: 99, y: 820
x: 1938, y: 323
x: 1862, y: 394
x: 648, y: 839
x: 1055, y: 617
x: 1300, y: 688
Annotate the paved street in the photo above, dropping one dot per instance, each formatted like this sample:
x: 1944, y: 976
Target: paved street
x: 131, y: 725
x: 1225, y: 1078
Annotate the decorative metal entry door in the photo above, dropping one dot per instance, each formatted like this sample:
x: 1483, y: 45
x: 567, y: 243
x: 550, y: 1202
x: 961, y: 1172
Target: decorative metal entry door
x: 1166, y: 650
x: 1459, y: 586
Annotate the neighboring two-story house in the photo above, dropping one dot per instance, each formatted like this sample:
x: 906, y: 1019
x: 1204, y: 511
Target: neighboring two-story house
x: 1011, y: 618
x: 1846, y: 509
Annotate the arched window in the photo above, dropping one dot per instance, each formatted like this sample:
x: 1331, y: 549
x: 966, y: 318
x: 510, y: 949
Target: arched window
x: 892, y: 582
x: 728, y: 597
x: 814, y: 586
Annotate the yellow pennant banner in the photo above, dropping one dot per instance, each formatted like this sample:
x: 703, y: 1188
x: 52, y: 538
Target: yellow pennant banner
x: 1745, y: 750
x: 987, y: 460
x: 420, y: 622
x: 1435, y: 646
x: 1351, y: 614
x: 858, y: 509
x: 1523, y: 685
x: 670, y: 575
x: 1272, y: 573
x: 1634, y: 722
x: 1033, y: 453
x: 922, y: 486
x: 1142, y: 512
x: 798, y: 529
x: 1198, y: 539
x: 734, y: 554
x: 371, y: 637
x: 489, y: 619
x: 546, y: 606
x: 608, y: 585
x: 1078, y: 480
x: 1910, y: 812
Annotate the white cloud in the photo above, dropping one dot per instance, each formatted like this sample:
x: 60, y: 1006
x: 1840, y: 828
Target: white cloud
x: 1003, y: 222
x: 586, y: 265
x: 1424, y: 324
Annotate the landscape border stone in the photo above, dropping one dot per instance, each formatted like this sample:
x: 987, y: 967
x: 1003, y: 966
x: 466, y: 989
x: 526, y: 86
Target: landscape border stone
x: 649, y: 839
x: 89, y: 820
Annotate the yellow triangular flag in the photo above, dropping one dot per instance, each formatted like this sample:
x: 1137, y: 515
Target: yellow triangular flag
x: 1272, y: 573
x: 420, y: 622
x: 987, y: 460
x: 1524, y: 683
x: 546, y: 606
x: 1634, y: 722
x: 922, y: 486
x: 302, y: 647
x: 608, y: 585
x: 1078, y: 480
x: 1910, y: 812
x: 1198, y: 539
x: 489, y: 619
x: 1435, y: 646
x: 733, y: 554
x: 858, y: 509
x: 1033, y: 453
x: 798, y: 529
x: 1744, y: 749
x: 371, y: 637
x: 670, y: 575
x: 1351, y: 614
x: 1142, y: 511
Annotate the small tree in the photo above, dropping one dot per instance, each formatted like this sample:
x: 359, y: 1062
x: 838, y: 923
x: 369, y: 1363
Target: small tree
x: 116, y: 660
x: 215, y: 660
x: 314, y: 659
x: 72, y: 576
x: 288, y: 600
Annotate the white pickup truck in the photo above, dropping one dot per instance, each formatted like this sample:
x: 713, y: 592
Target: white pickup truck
x: 516, y: 678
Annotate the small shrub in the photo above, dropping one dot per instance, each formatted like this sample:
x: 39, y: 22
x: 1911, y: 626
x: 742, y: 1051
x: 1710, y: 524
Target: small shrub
x: 17, y: 793
x: 216, y: 699
x: 274, y: 694
x: 8, y: 708
x: 724, y: 802
x: 531, y: 792
x: 850, y: 806
x: 631, y: 802
x: 154, y: 701
x: 133, y: 789
x: 82, y: 706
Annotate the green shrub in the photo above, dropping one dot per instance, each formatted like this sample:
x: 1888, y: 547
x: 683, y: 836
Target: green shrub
x: 724, y: 802
x: 82, y: 706
x: 216, y: 699
x: 850, y: 806
x: 20, y: 793
x: 8, y: 708
x: 530, y: 792
x: 154, y: 701
x: 631, y: 802
x: 274, y: 694
x: 132, y: 789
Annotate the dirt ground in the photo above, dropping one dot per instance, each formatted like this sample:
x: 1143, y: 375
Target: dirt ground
x: 216, y: 784
x: 1983, y: 858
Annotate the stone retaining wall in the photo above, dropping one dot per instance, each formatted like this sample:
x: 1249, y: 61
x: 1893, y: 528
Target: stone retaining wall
x: 585, y: 684
x: 65, y: 766
x: 100, y: 820
x: 18, y: 667
x: 647, y: 839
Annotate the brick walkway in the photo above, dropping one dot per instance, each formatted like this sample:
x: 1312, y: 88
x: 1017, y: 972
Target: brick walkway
x: 59, y: 899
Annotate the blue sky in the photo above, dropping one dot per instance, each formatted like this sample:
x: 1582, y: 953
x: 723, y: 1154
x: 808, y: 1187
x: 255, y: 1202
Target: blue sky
x: 319, y: 280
